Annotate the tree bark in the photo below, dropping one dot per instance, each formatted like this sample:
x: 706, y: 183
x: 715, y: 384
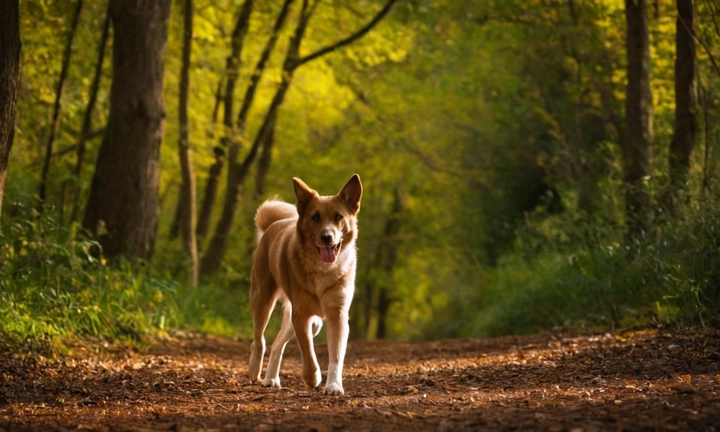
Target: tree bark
x: 57, y: 106
x: 188, y: 203
x: 683, y: 140
x: 237, y: 174
x: 638, y: 118
x: 122, y: 209
x: 9, y: 79
x: 87, y: 116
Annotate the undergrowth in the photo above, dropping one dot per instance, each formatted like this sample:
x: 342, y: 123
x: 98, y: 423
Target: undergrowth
x: 569, y: 273
x: 52, y: 287
x: 565, y: 272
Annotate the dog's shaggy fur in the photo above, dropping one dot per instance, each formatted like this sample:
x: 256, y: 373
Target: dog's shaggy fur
x: 306, y: 259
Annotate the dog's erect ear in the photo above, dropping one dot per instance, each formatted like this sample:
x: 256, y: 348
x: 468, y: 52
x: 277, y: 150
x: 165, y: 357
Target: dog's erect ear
x: 303, y: 193
x: 351, y: 193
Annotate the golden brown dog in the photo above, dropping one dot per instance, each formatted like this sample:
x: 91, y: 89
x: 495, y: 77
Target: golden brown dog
x: 306, y: 258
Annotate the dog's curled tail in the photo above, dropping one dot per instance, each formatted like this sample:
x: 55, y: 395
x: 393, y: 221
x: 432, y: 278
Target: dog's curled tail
x: 272, y: 211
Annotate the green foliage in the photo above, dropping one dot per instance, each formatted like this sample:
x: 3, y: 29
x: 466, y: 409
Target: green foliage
x: 551, y: 281
x: 220, y: 305
x: 496, y: 123
x: 53, y: 286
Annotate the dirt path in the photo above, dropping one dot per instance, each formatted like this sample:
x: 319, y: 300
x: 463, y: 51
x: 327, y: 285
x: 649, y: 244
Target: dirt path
x: 635, y: 380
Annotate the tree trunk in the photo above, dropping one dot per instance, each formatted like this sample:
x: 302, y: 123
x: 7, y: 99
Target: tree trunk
x: 216, y: 168
x: 263, y: 165
x: 638, y: 118
x: 57, y: 107
x: 87, y: 116
x: 229, y: 137
x: 122, y: 209
x: 387, y: 259
x: 9, y: 78
x: 208, y: 202
x: 237, y: 173
x: 236, y: 178
x: 188, y: 207
x: 683, y: 140
x: 211, y: 187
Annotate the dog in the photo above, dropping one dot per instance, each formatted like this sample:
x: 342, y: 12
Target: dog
x: 306, y: 258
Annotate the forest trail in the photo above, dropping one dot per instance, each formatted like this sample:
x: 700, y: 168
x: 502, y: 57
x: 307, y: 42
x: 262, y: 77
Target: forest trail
x: 634, y: 380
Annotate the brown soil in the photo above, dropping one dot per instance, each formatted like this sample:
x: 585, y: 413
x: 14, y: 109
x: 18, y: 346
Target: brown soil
x: 632, y: 380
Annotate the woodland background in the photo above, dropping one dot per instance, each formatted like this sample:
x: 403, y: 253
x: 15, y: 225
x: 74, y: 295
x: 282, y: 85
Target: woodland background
x: 527, y: 164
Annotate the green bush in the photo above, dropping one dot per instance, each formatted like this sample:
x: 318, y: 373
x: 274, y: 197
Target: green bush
x: 53, y: 286
x: 569, y: 273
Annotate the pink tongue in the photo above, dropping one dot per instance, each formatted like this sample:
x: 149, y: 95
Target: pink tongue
x: 327, y: 255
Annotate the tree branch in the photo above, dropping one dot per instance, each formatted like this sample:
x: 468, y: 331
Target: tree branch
x: 704, y: 45
x: 260, y: 66
x: 350, y: 39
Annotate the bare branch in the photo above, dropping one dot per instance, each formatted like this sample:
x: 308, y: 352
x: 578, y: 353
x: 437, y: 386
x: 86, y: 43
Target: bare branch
x: 350, y: 39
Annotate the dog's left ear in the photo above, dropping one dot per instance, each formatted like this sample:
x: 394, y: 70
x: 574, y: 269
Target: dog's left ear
x: 351, y: 193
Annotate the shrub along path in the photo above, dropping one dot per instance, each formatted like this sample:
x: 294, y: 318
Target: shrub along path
x: 631, y: 380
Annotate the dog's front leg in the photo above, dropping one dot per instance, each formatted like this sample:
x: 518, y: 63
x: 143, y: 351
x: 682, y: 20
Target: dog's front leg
x: 303, y: 326
x: 338, y: 330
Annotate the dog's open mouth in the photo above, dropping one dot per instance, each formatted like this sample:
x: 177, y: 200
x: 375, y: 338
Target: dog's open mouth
x: 329, y: 254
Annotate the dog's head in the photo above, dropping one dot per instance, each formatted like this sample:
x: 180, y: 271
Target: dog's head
x: 328, y: 224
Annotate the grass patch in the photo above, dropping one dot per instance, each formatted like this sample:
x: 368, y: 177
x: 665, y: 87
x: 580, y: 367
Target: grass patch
x: 53, y: 287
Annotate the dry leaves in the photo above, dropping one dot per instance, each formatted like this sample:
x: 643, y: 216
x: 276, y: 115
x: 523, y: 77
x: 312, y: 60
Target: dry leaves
x: 631, y: 380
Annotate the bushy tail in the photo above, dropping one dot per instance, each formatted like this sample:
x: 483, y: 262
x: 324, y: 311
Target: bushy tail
x: 272, y: 211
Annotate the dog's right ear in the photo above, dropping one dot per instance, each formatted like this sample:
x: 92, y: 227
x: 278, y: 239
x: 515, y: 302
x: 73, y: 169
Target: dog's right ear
x: 304, y: 194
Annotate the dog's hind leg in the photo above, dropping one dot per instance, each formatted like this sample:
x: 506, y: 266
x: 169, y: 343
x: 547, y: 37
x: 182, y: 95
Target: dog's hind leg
x: 272, y: 375
x: 262, y: 303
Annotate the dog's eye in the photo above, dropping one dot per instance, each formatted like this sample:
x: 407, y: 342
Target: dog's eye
x: 338, y: 217
x: 315, y: 217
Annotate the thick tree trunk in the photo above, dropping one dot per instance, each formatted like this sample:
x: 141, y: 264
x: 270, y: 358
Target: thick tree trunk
x: 683, y: 140
x: 638, y: 118
x: 122, y: 209
x: 57, y: 107
x: 9, y: 78
x: 188, y: 207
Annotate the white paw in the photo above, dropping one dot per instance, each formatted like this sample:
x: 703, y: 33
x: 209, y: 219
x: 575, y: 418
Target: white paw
x: 334, y: 389
x: 271, y: 382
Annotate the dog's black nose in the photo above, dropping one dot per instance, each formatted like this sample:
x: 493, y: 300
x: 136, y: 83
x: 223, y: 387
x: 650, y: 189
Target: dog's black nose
x: 326, y: 238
